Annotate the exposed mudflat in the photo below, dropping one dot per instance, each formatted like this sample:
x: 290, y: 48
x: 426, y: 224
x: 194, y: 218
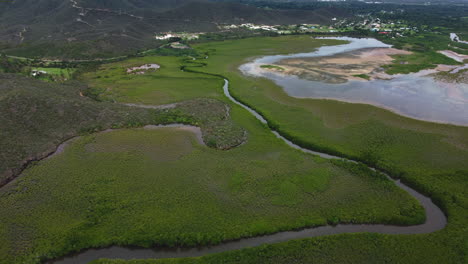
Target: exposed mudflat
x: 454, y: 55
x: 352, y: 73
x: 166, y: 106
x: 339, y: 68
x: 143, y: 69
x: 196, y: 130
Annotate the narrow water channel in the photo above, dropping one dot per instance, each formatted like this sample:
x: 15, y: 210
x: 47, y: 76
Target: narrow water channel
x: 435, y: 220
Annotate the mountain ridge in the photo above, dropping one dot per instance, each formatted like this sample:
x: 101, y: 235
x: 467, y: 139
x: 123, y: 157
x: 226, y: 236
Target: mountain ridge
x: 97, y: 27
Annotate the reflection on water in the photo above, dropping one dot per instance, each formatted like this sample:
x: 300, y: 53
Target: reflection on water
x: 412, y: 95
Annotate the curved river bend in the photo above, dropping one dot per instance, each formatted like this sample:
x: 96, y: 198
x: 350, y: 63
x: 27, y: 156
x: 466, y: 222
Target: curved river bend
x: 435, y: 220
x: 415, y: 95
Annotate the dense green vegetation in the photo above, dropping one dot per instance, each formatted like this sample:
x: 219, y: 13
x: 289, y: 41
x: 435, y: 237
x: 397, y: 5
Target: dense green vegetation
x: 424, y: 55
x: 356, y: 248
x: 417, y: 61
x: 362, y: 76
x: 275, y: 67
x: 55, y: 70
x: 146, y: 188
x: 167, y: 51
x: 431, y: 157
x: 166, y: 85
x: 459, y: 77
x: 54, y: 74
x: 157, y: 187
x: 37, y: 116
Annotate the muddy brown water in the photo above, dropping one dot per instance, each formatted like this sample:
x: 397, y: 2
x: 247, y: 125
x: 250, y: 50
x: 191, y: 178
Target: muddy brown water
x: 435, y: 220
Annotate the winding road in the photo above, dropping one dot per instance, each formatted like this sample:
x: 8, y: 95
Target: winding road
x: 435, y: 220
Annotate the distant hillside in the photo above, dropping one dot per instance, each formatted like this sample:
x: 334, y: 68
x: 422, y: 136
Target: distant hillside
x: 104, y: 28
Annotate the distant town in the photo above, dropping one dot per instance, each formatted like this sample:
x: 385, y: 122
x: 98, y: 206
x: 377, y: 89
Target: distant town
x: 398, y: 28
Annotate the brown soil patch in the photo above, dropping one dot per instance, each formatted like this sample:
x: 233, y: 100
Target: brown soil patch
x: 341, y: 67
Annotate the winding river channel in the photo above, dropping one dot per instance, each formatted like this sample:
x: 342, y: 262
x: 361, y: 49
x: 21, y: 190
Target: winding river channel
x: 416, y: 95
x: 435, y: 220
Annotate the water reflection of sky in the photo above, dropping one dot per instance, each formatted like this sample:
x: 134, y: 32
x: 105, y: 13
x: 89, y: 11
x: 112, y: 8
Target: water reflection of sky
x: 411, y: 95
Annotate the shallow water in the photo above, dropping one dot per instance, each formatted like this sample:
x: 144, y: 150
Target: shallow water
x: 412, y: 95
x: 435, y: 220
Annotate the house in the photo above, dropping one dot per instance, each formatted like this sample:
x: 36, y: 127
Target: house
x: 35, y: 73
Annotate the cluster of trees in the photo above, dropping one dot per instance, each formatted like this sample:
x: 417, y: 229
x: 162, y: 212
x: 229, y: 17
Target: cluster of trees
x: 26, y: 66
x: 8, y: 65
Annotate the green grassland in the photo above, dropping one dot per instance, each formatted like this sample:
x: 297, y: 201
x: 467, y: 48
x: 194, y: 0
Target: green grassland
x: 424, y: 46
x: 37, y: 116
x: 422, y: 41
x: 146, y: 188
x: 55, y: 74
x: 57, y: 71
x: 163, y: 86
x: 459, y: 77
x: 350, y: 249
x: 362, y: 76
x: 417, y: 61
x: 275, y: 67
x: 431, y: 157
x: 160, y: 187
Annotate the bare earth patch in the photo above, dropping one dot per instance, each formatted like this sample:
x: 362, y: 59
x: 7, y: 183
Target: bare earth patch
x: 143, y: 69
x: 454, y: 55
x: 341, y: 67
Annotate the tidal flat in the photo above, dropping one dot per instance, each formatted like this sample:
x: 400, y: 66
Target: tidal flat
x: 353, y: 73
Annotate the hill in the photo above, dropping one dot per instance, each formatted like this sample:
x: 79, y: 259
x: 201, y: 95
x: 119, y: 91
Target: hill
x: 87, y: 29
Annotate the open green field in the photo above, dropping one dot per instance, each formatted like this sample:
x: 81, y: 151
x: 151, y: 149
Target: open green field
x: 163, y: 86
x: 66, y: 73
x: 141, y: 187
